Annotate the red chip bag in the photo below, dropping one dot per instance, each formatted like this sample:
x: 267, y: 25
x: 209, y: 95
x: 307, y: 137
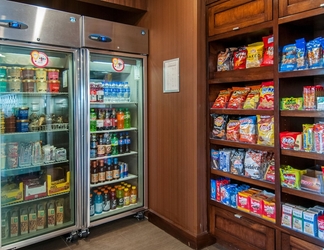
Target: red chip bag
x: 240, y: 58
x: 268, y: 51
x: 266, y: 95
x: 222, y: 99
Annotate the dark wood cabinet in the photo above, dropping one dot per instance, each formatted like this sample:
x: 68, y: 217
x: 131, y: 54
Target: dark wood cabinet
x: 291, y: 7
x: 289, y: 242
x: 240, y: 231
x: 228, y: 15
x: 120, y: 4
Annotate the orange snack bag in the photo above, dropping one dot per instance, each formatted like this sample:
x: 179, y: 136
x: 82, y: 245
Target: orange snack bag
x: 222, y: 99
x: 238, y: 98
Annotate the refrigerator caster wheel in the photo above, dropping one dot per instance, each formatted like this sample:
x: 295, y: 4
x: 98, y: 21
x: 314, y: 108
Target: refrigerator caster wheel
x: 139, y: 216
x: 72, y: 237
x: 84, y: 233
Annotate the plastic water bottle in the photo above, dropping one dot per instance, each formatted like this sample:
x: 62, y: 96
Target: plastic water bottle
x: 105, y: 90
x: 120, y: 92
x: 109, y: 91
x: 126, y: 92
x: 113, y: 92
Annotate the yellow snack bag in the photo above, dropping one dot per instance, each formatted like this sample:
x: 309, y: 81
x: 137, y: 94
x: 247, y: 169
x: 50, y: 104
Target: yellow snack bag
x: 254, y: 55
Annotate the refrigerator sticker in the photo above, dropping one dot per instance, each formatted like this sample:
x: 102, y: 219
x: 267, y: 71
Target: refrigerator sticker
x: 118, y: 64
x: 39, y: 59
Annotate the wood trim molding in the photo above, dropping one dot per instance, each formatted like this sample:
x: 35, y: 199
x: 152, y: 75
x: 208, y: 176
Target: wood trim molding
x: 195, y: 242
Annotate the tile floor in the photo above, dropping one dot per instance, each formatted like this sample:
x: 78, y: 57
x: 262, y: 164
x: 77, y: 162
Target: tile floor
x: 123, y: 234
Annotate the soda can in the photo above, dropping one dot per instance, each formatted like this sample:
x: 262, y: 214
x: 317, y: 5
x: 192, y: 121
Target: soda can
x: 121, y: 170
x: 125, y: 169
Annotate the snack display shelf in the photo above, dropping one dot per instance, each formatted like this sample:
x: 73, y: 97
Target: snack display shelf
x: 27, y: 169
x: 304, y: 194
x: 113, y: 130
x: 36, y: 94
x: 302, y: 113
x: 241, y: 145
x: 113, y: 156
x: 261, y: 183
x: 251, y: 74
x: 129, y: 177
x: 37, y: 132
x: 301, y: 73
x: 93, y: 104
x: 241, y: 111
x: 33, y: 200
x: 302, y: 154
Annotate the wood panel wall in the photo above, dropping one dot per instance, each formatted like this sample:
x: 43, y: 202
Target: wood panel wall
x: 176, y: 121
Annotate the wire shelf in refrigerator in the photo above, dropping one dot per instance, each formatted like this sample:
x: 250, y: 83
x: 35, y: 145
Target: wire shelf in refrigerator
x: 113, y: 156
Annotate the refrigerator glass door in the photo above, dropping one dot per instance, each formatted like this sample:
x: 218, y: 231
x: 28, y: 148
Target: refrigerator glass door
x: 37, y: 142
x: 115, y: 93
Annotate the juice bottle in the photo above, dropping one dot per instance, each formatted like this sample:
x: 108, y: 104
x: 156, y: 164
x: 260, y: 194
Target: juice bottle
x: 109, y: 171
x: 126, y: 197
x: 101, y: 147
x: 120, y: 197
x: 102, y: 171
x: 120, y: 119
x: 116, y: 174
x: 113, y: 201
x: 133, y: 195
x: 127, y: 118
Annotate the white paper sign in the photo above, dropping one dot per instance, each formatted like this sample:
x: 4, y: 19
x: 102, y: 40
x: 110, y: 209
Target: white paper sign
x: 171, y: 75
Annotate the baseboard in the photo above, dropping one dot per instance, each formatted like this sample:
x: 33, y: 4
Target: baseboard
x: 195, y: 242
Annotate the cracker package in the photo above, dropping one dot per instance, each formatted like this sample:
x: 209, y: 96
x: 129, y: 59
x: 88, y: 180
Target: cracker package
x: 254, y: 55
x: 266, y: 95
x: 265, y: 130
x: 268, y: 51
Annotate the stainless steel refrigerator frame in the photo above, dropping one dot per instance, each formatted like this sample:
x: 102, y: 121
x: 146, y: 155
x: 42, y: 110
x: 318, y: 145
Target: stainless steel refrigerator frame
x: 24, y: 14
x: 121, y: 45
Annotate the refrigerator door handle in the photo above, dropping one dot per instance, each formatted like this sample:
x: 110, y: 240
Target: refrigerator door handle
x: 13, y: 24
x: 100, y: 38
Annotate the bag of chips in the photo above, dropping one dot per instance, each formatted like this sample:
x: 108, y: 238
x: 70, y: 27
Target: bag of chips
x: 233, y: 130
x: 289, y: 58
x: 222, y: 99
x: 248, y: 129
x: 252, y: 99
x: 225, y: 59
x: 239, y: 60
x: 254, y: 55
x: 301, y: 54
x: 268, y: 51
x: 219, y: 126
x: 266, y: 95
x: 314, y: 53
x: 265, y: 130
x: 238, y: 98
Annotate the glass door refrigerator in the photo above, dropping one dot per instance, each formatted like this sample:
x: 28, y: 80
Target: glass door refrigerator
x: 114, y: 58
x: 39, y: 118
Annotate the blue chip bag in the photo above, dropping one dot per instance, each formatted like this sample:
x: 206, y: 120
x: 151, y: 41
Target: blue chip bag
x: 288, y: 59
x: 301, y: 54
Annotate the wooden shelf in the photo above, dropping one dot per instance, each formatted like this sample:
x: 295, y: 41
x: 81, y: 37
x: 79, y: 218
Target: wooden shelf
x: 227, y: 143
x: 302, y: 154
x: 304, y: 194
x: 302, y: 113
x: 302, y: 73
x: 241, y: 111
x: 244, y: 75
x: 261, y: 183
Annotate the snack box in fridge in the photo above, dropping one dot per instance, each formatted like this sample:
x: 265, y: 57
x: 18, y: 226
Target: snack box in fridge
x: 58, y: 181
x: 12, y: 193
x: 34, y: 188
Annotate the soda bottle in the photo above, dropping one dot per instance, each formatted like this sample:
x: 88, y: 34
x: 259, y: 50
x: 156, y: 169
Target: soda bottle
x: 106, y: 201
x: 93, y: 146
x: 120, y: 119
x: 101, y: 147
x: 93, y: 92
x: 121, y: 147
x: 133, y: 195
x: 120, y: 197
x: 114, y: 144
x: 98, y: 203
x: 100, y: 119
x: 109, y: 171
x: 126, y: 197
x: 126, y: 92
x: 113, y: 119
x: 115, y: 169
x: 107, y: 121
x: 127, y: 142
x: 100, y: 92
x: 108, y: 143
x: 113, y: 201
x: 127, y: 118
x: 93, y: 120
